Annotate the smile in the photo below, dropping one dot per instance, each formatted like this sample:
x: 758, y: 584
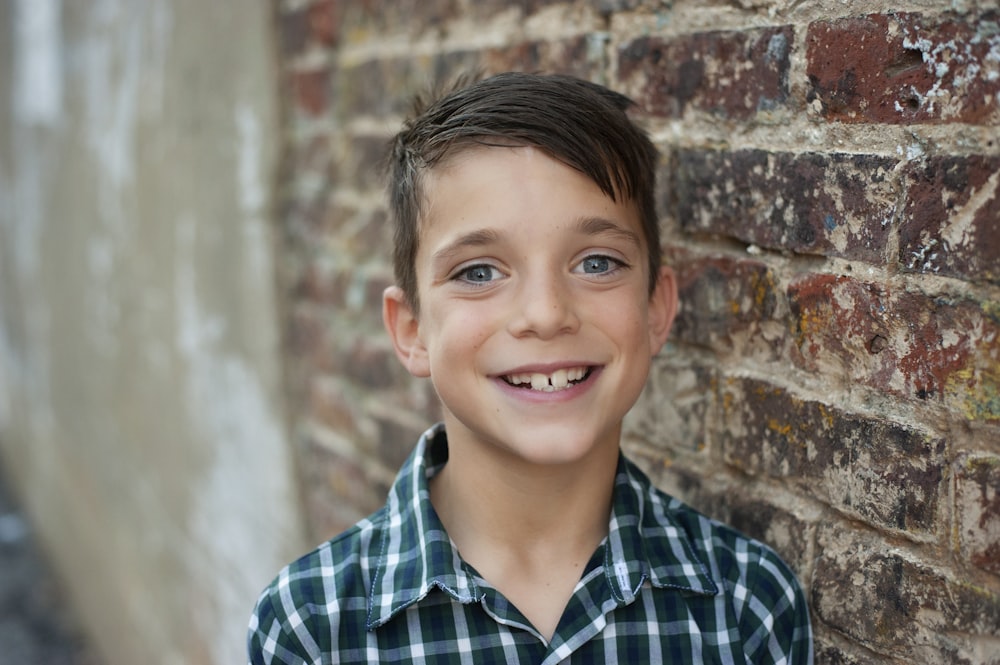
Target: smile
x: 557, y: 380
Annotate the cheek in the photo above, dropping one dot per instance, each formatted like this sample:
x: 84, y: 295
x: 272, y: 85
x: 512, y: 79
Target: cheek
x: 460, y: 332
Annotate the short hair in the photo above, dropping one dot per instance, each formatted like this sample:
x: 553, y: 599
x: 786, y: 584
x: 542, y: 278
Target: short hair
x: 581, y: 124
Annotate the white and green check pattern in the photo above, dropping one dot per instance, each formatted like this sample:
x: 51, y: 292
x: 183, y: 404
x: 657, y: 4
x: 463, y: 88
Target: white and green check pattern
x: 668, y: 585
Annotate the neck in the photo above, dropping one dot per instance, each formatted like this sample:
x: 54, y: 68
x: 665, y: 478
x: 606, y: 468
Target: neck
x: 491, y: 502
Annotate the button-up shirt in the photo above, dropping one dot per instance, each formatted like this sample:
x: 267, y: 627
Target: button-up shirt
x: 667, y: 585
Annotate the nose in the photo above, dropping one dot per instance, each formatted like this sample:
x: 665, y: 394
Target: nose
x: 544, y: 307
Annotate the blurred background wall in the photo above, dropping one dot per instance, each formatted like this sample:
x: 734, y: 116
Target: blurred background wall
x: 141, y: 413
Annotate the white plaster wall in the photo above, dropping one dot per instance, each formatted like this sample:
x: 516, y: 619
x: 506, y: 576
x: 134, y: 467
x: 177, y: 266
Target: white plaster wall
x: 141, y: 418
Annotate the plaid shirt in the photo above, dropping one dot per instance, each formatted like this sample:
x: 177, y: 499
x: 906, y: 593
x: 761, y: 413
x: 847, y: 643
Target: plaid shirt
x: 667, y: 585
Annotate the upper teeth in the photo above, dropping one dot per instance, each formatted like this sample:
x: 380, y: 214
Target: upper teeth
x: 558, y: 380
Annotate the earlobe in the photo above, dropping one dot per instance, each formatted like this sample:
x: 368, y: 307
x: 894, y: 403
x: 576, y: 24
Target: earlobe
x: 403, y: 326
x: 662, y: 308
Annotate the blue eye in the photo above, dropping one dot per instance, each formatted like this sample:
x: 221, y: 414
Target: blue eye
x: 478, y: 274
x: 598, y: 264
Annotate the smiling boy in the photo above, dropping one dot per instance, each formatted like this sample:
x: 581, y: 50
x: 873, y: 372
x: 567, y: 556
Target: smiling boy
x: 530, y: 292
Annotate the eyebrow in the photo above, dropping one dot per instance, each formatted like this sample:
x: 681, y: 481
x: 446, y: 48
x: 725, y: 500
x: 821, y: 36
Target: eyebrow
x: 596, y: 226
x: 477, y: 238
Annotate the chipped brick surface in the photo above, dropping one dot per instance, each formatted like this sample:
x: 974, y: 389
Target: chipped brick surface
x: 977, y: 506
x: 905, y: 68
x: 951, y: 221
x: 727, y: 303
x: 831, y: 204
x: 731, y: 74
x: 899, y: 605
x: 909, y: 344
x: 882, y: 472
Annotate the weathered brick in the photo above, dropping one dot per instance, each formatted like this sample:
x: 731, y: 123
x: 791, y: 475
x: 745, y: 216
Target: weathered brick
x: 726, y: 303
x: 951, y: 221
x: 882, y: 472
x: 671, y: 412
x: 362, y: 90
x: 318, y: 284
x: 308, y: 337
x: 293, y: 31
x: 877, y: 595
x: 905, y: 68
x: 370, y: 19
x: 395, y: 441
x: 371, y: 363
x: 901, y: 342
x: 814, y: 203
x: 311, y: 90
x: 330, y: 407
x: 977, y: 510
x: 731, y: 74
x: 337, y: 491
x: 830, y: 653
x: 361, y: 162
x: 581, y: 56
x: 324, y: 17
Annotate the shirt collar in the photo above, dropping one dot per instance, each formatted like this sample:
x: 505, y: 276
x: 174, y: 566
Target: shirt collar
x: 646, y: 541
x: 415, y: 555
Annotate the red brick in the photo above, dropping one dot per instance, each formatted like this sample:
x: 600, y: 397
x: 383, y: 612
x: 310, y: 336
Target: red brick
x: 904, y: 343
x: 731, y: 74
x: 977, y: 510
x: 882, y: 472
x: 311, y: 90
x: 896, y: 605
x: 951, y: 221
x: 324, y: 18
x: 830, y: 204
x: 905, y: 68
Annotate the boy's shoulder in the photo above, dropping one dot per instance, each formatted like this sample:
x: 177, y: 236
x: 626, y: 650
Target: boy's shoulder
x: 331, y: 583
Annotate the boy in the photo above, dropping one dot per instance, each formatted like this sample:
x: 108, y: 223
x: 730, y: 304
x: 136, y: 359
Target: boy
x: 530, y: 291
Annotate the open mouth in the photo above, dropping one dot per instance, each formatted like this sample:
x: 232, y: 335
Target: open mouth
x: 557, y: 380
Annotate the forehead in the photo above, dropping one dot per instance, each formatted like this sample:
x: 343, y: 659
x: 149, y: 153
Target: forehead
x: 480, y: 179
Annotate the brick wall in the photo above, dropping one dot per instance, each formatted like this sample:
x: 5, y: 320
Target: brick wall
x: 831, y: 201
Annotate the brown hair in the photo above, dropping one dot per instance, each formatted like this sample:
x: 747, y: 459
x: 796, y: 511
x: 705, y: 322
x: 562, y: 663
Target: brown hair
x: 582, y: 124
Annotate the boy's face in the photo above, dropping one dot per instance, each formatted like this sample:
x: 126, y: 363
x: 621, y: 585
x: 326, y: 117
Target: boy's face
x: 536, y: 325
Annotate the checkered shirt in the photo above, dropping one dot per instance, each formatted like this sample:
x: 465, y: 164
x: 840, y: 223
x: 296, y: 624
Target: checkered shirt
x: 667, y: 585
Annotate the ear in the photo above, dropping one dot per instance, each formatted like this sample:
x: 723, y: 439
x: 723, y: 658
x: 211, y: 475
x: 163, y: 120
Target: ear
x: 662, y: 308
x: 404, y: 329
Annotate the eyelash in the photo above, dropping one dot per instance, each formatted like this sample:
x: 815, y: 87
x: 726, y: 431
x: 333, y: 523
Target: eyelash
x: 614, y: 264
